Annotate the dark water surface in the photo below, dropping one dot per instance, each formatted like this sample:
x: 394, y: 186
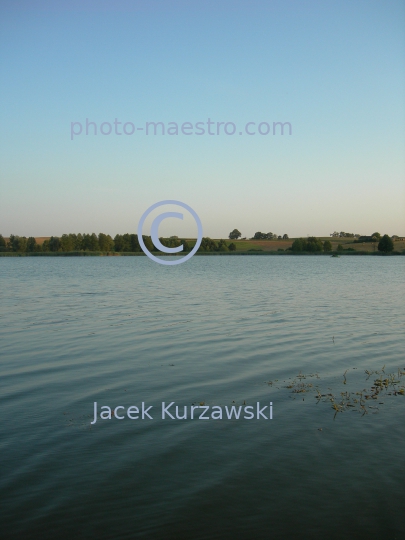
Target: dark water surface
x: 123, y: 330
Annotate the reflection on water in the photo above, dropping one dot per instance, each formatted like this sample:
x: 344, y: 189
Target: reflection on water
x: 223, y: 331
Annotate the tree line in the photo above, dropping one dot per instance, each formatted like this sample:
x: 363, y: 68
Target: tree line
x: 343, y: 234
x: 128, y: 243
x: 235, y: 234
x: 121, y: 243
x: 312, y: 244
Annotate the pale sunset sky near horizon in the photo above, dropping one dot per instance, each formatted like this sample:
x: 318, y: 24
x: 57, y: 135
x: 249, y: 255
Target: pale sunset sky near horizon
x: 334, y: 70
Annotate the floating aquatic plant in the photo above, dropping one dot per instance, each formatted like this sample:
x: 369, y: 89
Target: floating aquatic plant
x: 384, y: 385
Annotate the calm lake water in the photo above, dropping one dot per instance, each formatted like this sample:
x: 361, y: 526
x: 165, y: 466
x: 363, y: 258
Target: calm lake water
x: 216, y: 330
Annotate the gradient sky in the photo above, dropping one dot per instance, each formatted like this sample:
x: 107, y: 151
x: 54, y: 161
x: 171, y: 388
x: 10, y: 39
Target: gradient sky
x: 334, y: 70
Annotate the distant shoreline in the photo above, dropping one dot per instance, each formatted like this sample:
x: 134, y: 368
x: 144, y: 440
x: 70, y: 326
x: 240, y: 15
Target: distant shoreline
x: 198, y: 254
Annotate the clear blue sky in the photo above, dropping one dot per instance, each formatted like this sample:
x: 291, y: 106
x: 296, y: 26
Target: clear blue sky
x: 334, y: 70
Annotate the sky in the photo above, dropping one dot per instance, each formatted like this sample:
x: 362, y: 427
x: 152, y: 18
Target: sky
x: 333, y: 70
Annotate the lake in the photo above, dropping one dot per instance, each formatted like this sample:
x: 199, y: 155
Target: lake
x: 297, y: 331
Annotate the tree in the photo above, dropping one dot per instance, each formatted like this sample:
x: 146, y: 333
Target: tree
x: 377, y: 235
x: 2, y: 243
x: 343, y: 234
x: 386, y: 245
x: 171, y: 242
x: 78, y: 240
x: 31, y: 244
x: 129, y: 243
x: 222, y: 246
x: 17, y: 243
x: 208, y: 245
x: 147, y: 240
x: 90, y: 242
x: 314, y: 244
x: 298, y: 245
x: 327, y: 246
x: 234, y: 235
x: 67, y: 242
x: 285, y: 236
x: 340, y: 247
x: 10, y: 242
x: 311, y: 244
x: 185, y: 244
x: 54, y: 244
x: 105, y: 242
x: 232, y: 247
x: 119, y: 243
x: 260, y: 236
